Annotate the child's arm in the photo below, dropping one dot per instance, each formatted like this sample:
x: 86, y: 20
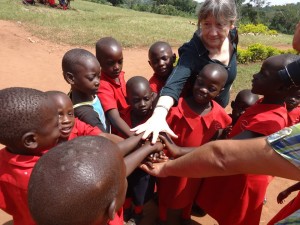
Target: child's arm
x: 284, y: 194
x: 114, y: 138
x: 129, y: 144
x: 135, y: 158
x: 118, y: 123
x: 175, y: 150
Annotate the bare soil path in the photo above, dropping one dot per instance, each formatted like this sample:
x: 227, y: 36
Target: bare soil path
x: 28, y: 61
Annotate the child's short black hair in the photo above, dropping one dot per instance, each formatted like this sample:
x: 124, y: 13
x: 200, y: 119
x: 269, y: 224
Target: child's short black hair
x: 104, y: 44
x: 75, y: 182
x: 20, y: 112
x: 135, y: 81
x: 73, y: 58
x: 159, y: 44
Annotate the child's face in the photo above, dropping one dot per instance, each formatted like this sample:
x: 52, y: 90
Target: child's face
x: 207, y: 86
x: 87, y: 77
x: 65, y: 115
x: 161, y: 59
x: 293, y: 100
x: 112, y: 62
x: 47, y: 136
x: 140, y: 99
x: 266, y: 81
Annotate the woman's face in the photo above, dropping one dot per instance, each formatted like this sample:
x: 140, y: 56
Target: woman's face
x: 213, y: 32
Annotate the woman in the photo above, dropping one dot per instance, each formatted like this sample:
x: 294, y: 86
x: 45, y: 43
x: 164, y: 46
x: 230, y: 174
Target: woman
x: 214, y: 42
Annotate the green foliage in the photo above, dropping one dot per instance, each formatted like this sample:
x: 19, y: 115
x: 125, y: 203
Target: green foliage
x: 259, y: 52
x: 256, y: 29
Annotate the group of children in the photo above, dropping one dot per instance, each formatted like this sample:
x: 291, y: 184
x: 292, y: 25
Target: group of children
x: 82, y: 180
x: 62, y: 4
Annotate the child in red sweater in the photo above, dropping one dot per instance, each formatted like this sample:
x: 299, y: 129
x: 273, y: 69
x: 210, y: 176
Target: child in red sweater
x: 241, y: 197
x: 112, y: 89
x: 29, y: 126
x: 161, y: 59
x: 140, y: 184
x: 196, y: 120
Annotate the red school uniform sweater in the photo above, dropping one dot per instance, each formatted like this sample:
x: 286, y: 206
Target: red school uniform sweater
x: 15, y: 171
x: 83, y: 129
x: 111, y: 94
x: 239, y: 199
x: 294, y: 116
x: 192, y: 130
x: 156, y: 84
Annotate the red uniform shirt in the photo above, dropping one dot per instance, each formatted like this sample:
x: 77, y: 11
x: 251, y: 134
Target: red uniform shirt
x: 15, y: 171
x: 156, y: 84
x: 82, y: 129
x: 192, y: 130
x: 239, y: 199
x: 111, y: 94
x: 294, y: 116
x: 118, y: 220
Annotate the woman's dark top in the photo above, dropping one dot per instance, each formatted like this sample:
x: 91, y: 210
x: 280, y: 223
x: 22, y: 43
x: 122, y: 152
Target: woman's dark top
x: 193, y: 56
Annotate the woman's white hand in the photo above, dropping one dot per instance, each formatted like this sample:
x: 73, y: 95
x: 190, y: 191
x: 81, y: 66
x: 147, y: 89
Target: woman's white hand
x: 155, y: 124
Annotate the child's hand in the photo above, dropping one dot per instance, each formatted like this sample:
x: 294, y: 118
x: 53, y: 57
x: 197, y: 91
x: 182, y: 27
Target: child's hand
x: 155, y: 169
x: 171, y: 146
x: 282, y: 195
x: 225, y: 132
x: 157, y: 157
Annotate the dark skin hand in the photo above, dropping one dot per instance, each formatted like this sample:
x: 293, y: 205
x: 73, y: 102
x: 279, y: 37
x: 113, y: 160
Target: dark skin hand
x: 284, y: 194
x: 134, y: 159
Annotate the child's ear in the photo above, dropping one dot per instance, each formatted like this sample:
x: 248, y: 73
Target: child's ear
x: 29, y: 140
x: 112, y: 209
x: 69, y: 77
x: 232, y: 104
x: 174, y: 58
x: 220, y: 91
x: 126, y: 100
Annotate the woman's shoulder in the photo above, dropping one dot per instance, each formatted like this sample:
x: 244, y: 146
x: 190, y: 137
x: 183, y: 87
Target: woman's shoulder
x: 194, y: 46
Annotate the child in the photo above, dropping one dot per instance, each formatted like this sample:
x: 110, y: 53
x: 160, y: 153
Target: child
x: 71, y: 127
x: 112, y: 90
x: 82, y: 181
x: 292, y: 104
x: 243, y: 100
x: 196, y: 120
x: 161, y: 59
x: 29, y: 126
x: 241, y: 197
x: 140, y: 184
x: 291, y: 207
x: 82, y: 71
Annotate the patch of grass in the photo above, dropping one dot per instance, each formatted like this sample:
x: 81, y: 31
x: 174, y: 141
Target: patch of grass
x: 244, y: 76
x: 88, y: 22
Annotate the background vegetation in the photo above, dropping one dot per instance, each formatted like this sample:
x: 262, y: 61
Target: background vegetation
x: 86, y: 22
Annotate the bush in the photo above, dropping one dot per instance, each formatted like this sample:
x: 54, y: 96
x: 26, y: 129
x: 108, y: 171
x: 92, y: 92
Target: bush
x: 259, y: 52
x: 256, y: 29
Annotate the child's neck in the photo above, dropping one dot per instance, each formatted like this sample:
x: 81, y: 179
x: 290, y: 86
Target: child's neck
x: 78, y: 97
x: 200, y: 109
x: 137, y: 119
x: 272, y: 100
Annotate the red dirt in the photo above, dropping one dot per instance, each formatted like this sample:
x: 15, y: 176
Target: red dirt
x: 28, y: 61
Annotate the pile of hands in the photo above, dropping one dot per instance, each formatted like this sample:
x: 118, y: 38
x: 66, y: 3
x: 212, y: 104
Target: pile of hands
x: 164, y: 144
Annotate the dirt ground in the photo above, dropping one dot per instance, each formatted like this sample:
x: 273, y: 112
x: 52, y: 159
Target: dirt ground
x: 28, y: 61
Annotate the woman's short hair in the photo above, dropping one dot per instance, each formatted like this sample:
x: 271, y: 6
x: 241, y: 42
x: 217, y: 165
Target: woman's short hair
x: 222, y: 10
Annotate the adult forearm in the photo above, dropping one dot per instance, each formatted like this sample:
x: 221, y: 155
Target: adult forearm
x: 228, y: 157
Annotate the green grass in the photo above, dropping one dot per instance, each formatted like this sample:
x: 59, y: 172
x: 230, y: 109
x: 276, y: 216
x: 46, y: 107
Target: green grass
x: 86, y: 22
